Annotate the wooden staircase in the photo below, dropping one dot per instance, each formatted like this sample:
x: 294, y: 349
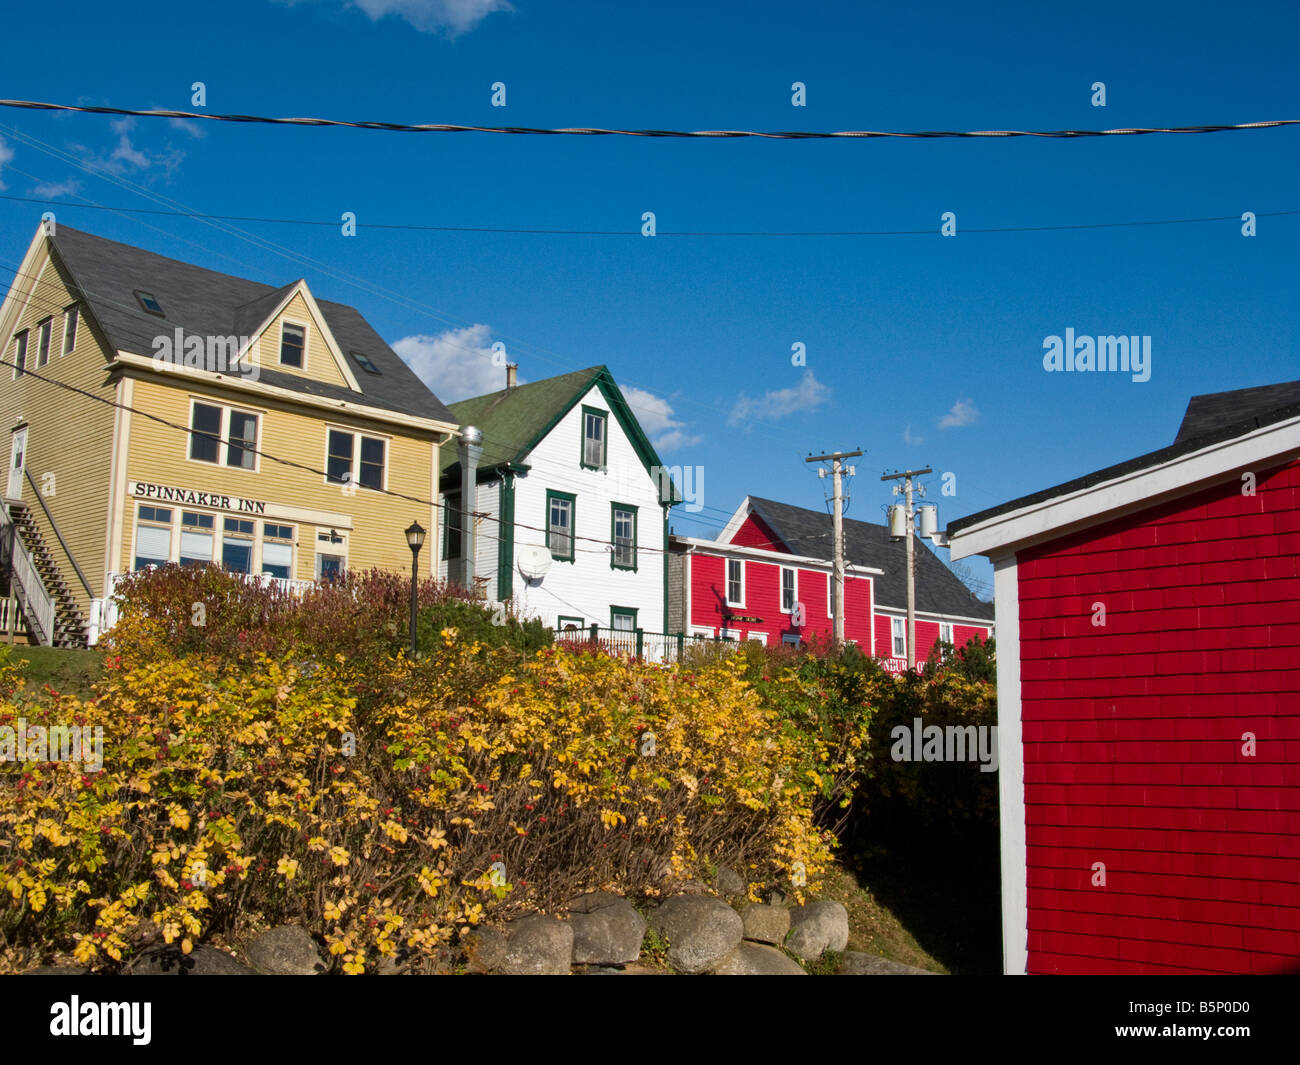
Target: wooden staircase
x: 69, y: 623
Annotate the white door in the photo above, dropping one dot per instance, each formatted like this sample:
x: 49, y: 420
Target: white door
x: 18, y: 456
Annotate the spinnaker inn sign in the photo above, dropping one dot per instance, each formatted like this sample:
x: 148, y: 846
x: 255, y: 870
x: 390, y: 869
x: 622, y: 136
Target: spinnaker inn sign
x: 170, y: 494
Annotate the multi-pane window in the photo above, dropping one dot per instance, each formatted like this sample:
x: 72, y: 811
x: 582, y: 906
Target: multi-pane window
x: 329, y: 562
x: 293, y: 339
x: 787, y: 589
x: 594, y: 423
x: 277, y: 550
x: 622, y: 619
x: 900, y: 637
x: 237, y: 545
x: 559, y: 525
x: 153, y: 537
x: 196, y: 538
x: 70, y: 320
x: 20, y: 354
x: 341, y: 465
x: 735, y: 582
x: 623, y: 536
x: 945, y: 631
x: 240, y: 451
x: 43, y: 342
x: 210, y: 424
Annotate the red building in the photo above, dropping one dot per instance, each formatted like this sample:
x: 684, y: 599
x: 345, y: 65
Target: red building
x: 1149, y: 702
x: 772, y: 555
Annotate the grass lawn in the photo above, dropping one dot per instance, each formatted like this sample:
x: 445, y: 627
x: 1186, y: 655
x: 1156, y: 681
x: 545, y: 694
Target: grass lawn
x: 65, y: 669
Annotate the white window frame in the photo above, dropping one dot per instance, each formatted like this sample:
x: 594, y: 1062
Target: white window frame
x: 898, y: 632
x: 339, y: 550
x: 71, y: 317
x: 794, y: 589
x: 262, y: 540
x: 945, y: 625
x: 44, y: 341
x: 731, y: 635
x: 756, y: 636
x: 702, y: 630
x: 223, y: 435
x: 355, y: 468
x: 306, y: 339
x: 726, y: 577
x: 22, y: 342
x: 152, y: 523
x: 830, y: 601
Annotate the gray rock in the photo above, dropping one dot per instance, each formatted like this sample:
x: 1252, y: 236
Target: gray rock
x: 57, y: 970
x: 700, y: 930
x: 816, y: 928
x: 286, y: 951
x: 776, y: 898
x: 486, y: 950
x: 606, y: 929
x: 201, y: 961
x: 729, y: 882
x: 766, y: 924
x: 754, y: 959
x: 538, y: 946
x: 856, y: 963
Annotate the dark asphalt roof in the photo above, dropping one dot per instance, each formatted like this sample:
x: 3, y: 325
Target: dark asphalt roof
x: 938, y: 590
x: 205, y: 303
x: 1210, y: 419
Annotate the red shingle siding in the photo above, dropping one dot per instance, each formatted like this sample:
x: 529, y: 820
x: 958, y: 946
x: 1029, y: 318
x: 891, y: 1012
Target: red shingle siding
x: 763, y: 600
x: 1133, y: 737
x: 754, y: 532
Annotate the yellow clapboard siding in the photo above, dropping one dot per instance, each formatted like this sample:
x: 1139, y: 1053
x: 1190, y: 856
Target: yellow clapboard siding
x: 159, y: 455
x: 70, y: 437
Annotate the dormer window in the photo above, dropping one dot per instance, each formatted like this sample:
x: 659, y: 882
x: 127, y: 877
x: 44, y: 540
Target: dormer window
x: 364, y: 362
x: 293, y: 339
x: 149, y: 303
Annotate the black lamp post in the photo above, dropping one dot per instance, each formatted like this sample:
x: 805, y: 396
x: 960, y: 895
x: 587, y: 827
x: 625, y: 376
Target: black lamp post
x: 414, y: 540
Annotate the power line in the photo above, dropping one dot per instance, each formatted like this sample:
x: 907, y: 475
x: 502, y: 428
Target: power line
x: 634, y: 232
x: 591, y: 131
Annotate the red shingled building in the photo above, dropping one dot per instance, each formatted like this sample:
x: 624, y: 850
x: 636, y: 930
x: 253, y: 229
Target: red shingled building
x: 1149, y: 702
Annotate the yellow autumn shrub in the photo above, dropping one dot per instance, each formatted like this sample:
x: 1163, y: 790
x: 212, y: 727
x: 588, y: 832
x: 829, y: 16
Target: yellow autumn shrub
x: 471, y: 782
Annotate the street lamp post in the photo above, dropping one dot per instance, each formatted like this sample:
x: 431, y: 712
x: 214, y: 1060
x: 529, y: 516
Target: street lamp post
x: 414, y: 540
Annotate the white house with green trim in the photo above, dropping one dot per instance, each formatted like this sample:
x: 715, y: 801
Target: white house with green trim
x: 566, y: 510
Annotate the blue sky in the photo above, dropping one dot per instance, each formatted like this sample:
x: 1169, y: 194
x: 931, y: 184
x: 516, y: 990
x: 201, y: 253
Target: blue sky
x: 920, y: 349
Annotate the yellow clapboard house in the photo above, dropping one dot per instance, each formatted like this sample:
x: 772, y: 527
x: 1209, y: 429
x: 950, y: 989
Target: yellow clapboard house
x: 162, y: 412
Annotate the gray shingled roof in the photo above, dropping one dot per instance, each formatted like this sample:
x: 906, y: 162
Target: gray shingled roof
x: 206, y: 303
x: 938, y: 590
x: 1210, y: 419
x: 1218, y: 410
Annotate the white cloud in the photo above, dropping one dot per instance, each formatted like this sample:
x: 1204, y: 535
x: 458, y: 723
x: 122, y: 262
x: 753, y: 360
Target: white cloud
x: 910, y: 438
x: 6, y: 157
x: 655, y: 414
x: 455, y: 364
x: 126, y: 158
x: 963, y: 413
x: 454, y: 17
x: 187, y: 125
x: 52, y: 190
x: 808, y: 395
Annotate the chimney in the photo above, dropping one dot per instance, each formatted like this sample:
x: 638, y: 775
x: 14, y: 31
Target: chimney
x: 511, y: 367
x: 470, y: 449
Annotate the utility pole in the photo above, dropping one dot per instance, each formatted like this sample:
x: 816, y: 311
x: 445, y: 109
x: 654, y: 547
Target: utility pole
x: 837, y: 527
x: 908, y: 510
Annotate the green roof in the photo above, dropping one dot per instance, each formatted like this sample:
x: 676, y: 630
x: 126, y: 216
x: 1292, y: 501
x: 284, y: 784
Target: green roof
x: 515, y: 420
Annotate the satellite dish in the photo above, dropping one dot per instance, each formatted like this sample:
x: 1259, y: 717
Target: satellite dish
x: 533, y: 561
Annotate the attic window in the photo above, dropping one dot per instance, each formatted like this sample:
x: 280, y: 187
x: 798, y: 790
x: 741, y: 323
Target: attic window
x: 293, y: 338
x: 149, y: 303
x: 364, y: 362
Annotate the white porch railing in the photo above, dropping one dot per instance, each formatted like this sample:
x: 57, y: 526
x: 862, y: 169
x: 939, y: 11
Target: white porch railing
x: 30, y: 590
x: 104, y: 612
